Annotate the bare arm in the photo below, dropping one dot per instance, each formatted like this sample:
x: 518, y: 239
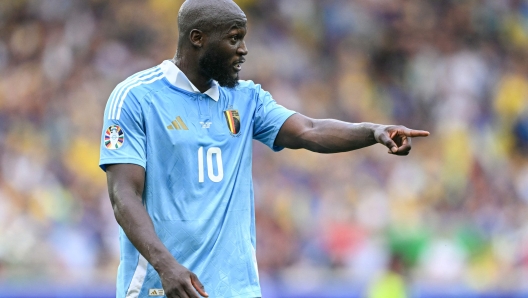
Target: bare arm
x: 125, y: 186
x: 332, y: 136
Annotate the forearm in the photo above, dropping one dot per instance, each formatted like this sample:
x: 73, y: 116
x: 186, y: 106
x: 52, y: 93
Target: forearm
x: 137, y: 225
x: 332, y: 136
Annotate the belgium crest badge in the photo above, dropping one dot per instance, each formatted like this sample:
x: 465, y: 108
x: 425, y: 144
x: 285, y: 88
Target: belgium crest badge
x: 233, y: 121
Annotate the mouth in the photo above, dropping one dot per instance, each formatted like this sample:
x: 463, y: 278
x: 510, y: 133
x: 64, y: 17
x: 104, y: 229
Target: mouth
x: 237, y: 65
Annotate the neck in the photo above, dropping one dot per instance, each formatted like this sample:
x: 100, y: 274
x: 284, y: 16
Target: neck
x: 191, y: 68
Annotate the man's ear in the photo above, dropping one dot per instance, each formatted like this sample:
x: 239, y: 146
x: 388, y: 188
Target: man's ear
x: 197, y: 38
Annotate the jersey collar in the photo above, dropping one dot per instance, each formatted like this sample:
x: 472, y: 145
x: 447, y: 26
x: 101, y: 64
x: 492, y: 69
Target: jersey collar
x: 177, y: 78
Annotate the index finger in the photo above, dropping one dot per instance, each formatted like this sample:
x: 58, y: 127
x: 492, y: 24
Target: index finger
x: 416, y: 133
x: 198, y: 285
x: 188, y: 291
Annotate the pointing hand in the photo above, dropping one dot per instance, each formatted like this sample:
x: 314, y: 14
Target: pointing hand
x: 397, y: 138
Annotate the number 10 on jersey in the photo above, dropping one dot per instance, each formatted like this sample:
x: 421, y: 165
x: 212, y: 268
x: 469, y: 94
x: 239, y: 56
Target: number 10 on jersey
x: 210, y: 169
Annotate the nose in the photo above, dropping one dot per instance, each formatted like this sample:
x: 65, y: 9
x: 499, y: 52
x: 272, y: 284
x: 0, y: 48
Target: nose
x: 242, y: 49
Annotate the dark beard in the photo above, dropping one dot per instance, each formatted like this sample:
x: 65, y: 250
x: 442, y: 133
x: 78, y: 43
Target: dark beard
x: 215, y: 67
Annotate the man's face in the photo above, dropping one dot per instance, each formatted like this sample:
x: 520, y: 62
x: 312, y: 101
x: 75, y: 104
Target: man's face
x: 224, y: 55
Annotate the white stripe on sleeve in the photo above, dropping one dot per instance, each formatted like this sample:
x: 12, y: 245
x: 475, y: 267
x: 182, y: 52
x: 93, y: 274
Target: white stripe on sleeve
x: 122, y: 86
x: 122, y: 100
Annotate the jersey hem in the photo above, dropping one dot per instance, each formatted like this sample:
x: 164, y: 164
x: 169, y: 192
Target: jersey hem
x: 277, y: 129
x: 107, y: 161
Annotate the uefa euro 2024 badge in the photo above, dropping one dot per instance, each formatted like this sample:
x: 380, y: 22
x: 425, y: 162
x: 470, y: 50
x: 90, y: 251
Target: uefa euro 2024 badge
x: 114, y: 137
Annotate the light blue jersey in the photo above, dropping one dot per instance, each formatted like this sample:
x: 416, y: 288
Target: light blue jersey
x: 197, y: 152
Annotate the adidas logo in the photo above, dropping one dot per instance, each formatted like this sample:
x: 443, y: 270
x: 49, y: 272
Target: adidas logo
x: 177, y: 124
x: 156, y: 292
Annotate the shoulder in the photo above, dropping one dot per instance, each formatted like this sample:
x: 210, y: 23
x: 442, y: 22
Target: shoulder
x: 141, y: 83
x: 247, y: 85
x: 131, y: 91
x: 244, y: 88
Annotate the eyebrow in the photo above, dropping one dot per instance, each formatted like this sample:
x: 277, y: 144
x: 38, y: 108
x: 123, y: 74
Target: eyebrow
x: 235, y: 24
x: 238, y: 24
x: 234, y: 27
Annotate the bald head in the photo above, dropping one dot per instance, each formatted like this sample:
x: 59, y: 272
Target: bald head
x: 206, y: 16
x: 211, y: 46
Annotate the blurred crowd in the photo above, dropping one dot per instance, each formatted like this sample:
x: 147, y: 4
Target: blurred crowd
x: 451, y: 215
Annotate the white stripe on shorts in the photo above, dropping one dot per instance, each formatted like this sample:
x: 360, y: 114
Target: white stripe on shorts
x: 138, y: 278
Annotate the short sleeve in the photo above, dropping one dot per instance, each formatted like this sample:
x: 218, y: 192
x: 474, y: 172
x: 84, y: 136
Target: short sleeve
x: 123, y: 138
x: 269, y: 118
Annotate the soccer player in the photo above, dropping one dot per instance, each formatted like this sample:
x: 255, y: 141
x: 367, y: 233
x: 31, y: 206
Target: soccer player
x: 177, y: 150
